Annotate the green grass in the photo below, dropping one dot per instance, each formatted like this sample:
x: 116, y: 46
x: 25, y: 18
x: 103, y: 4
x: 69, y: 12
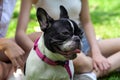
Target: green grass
x: 105, y: 15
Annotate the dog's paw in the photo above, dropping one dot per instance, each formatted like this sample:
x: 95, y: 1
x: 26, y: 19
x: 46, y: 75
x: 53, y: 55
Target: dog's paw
x: 18, y: 75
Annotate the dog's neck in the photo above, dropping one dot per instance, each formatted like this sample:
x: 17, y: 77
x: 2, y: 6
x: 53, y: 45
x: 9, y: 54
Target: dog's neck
x: 48, y: 53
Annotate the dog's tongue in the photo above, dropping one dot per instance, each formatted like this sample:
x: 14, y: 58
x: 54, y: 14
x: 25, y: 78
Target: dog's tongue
x: 76, y: 51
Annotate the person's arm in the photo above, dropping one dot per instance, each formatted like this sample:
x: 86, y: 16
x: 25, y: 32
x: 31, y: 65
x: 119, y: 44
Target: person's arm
x: 21, y: 37
x: 10, y: 51
x: 98, y: 60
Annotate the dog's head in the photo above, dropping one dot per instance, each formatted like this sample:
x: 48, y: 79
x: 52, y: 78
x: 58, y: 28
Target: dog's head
x: 60, y: 36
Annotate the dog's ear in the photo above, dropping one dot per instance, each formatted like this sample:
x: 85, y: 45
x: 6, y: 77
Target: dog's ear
x: 44, y: 19
x: 78, y: 31
x: 63, y: 12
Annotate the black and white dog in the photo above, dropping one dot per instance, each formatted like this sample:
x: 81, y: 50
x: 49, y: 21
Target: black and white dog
x: 51, y: 57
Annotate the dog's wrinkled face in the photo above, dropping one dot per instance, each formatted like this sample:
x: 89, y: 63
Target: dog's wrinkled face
x: 60, y: 36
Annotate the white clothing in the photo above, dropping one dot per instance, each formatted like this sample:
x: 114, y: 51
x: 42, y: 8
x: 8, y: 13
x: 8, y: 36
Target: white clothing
x: 52, y: 7
x: 6, y: 10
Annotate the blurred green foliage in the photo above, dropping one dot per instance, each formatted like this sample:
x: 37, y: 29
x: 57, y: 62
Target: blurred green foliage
x: 106, y: 17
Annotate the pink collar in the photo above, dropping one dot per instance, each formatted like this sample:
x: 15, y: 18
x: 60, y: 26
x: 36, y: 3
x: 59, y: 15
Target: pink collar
x: 51, y: 62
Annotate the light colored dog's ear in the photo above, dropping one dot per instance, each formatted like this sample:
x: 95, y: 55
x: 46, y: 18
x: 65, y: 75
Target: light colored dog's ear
x: 63, y: 12
x: 43, y: 18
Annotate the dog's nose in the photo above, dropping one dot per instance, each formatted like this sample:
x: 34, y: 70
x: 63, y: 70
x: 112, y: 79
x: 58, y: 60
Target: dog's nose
x: 76, y: 39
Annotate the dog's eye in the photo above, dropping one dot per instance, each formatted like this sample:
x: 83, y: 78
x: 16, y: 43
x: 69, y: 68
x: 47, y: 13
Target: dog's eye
x: 66, y: 33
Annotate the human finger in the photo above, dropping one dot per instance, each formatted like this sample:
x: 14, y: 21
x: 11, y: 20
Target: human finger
x: 106, y: 68
x: 20, y: 61
x: 100, y: 66
x: 95, y: 66
x: 15, y: 64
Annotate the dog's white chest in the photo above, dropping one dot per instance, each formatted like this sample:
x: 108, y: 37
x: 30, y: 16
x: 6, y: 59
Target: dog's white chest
x: 36, y: 69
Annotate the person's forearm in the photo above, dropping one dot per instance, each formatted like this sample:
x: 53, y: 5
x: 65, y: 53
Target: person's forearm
x: 88, y: 27
x: 90, y: 33
x: 24, y: 41
x: 21, y: 37
x: 31, y: 38
x: 91, y: 36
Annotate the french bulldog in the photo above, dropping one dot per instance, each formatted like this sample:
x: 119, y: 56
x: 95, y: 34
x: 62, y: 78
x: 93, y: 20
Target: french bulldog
x: 52, y: 55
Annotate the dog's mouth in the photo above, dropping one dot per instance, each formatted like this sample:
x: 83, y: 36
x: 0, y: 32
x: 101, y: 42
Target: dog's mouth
x: 72, y: 54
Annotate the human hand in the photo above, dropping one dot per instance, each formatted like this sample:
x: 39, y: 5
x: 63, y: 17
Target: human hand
x: 14, y: 53
x: 101, y: 64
